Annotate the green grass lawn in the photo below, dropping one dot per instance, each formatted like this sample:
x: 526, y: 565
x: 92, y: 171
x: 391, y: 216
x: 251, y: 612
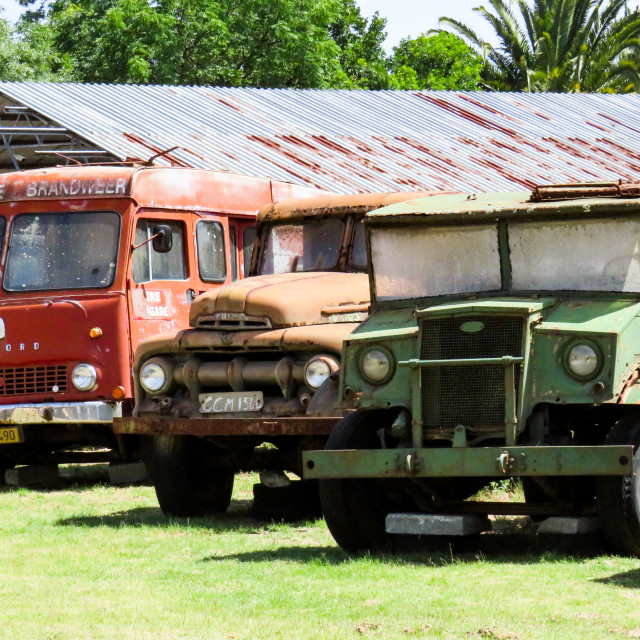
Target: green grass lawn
x: 95, y: 561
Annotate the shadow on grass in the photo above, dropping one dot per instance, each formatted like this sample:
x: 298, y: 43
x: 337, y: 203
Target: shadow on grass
x: 494, y: 548
x: 628, y: 579
x: 238, y: 519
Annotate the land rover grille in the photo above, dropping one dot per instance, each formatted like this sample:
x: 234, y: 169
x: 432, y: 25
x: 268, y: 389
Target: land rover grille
x: 474, y: 395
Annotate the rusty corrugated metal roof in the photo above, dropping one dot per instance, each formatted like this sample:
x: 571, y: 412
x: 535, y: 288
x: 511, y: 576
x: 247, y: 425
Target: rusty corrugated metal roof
x: 356, y: 141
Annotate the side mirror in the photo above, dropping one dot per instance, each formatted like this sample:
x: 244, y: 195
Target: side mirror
x: 162, y: 238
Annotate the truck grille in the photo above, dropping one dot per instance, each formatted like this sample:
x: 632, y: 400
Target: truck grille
x: 473, y: 396
x: 232, y: 322
x: 30, y: 380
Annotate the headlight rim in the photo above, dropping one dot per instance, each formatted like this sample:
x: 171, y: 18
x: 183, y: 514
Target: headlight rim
x: 332, y: 364
x: 578, y: 342
x: 93, y: 377
x: 167, y: 368
x: 387, y: 353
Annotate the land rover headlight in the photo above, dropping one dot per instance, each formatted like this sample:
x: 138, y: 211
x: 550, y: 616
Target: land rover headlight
x: 156, y: 375
x: 376, y: 365
x: 318, y: 369
x: 583, y: 360
x: 84, y: 377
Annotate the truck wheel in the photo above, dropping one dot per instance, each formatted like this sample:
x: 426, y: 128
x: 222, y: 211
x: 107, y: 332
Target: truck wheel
x: 619, y: 496
x: 355, y: 509
x: 187, y: 480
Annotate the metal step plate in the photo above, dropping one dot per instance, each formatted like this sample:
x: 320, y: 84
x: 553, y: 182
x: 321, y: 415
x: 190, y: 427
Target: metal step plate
x: 426, y: 524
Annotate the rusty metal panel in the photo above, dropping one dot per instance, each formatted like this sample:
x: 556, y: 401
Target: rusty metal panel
x: 227, y: 426
x: 355, y: 141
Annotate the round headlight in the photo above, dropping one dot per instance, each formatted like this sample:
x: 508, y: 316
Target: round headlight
x: 84, y: 377
x: 583, y: 360
x: 153, y: 376
x: 318, y: 370
x: 376, y: 366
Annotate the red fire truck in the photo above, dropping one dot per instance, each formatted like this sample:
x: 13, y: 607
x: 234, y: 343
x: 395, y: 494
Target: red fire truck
x: 94, y: 259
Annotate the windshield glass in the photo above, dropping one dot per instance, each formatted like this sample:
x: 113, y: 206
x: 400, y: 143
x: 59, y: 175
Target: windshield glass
x: 416, y: 262
x: 576, y: 255
x: 62, y: 251
x: 310, y: 245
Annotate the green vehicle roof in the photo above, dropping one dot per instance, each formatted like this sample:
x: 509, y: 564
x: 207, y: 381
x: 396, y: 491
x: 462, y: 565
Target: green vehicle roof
x: 553, y: 200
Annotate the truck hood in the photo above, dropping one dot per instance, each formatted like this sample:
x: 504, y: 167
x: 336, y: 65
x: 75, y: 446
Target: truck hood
x: 288, y: 299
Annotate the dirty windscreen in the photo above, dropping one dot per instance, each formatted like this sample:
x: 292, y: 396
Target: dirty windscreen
x: 576, y: 255
x: 419, y: 262
x: 311, y: 245
x: 62, y: 251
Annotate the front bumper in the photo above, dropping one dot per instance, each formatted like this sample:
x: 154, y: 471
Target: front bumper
x: 501, y: 462
x: 60, y: 412
x: 304, y: 426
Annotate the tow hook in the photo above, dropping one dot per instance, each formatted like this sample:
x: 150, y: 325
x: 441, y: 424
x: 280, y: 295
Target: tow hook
x: 506, y: 463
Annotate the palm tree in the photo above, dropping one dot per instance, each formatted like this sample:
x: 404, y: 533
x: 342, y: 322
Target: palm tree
x: 558, y: 45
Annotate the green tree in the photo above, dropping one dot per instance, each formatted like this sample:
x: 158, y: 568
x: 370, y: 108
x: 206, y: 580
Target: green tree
x: 441, y: 61
x: 362, y: 56
x: 262, y: 43
x: 558, y: 45
x: 28, y: 54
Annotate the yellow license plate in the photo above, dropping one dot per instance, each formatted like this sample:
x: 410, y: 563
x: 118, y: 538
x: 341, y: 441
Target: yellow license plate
x: 11, y: 435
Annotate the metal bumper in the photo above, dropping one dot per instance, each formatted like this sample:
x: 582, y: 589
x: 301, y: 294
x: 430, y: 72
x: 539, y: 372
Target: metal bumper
x: 469, y: 462
x: 303, y: 426
x: 60, y: 412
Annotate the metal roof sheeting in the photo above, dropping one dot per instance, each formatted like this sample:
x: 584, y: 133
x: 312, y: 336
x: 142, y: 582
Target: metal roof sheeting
x: 356, y: 141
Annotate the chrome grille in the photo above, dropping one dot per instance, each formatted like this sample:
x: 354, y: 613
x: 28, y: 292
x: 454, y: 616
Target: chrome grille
x: 473, y: 396
x: 31, y: 380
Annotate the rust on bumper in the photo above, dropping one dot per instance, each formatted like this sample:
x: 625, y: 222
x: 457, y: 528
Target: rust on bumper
x: 304, y: 426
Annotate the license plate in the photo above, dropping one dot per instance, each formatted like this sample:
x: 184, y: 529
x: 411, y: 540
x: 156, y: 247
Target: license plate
x: 11, y: 435
x: 231, y: 402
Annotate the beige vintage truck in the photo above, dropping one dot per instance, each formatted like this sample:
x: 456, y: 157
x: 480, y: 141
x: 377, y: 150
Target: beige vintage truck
x: 254, y: 381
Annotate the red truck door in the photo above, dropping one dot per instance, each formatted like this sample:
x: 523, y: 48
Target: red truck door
x: 162, y: 286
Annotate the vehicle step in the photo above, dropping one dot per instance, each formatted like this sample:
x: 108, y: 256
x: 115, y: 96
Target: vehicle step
x: 426, y: 524
x: 44, y: 475
x: 128, y: 473
x: 570, y: 526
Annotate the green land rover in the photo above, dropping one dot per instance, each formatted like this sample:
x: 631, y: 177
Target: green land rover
x: 504, y: 342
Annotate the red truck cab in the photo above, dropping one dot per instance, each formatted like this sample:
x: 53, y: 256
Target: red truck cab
x: 95, y: 259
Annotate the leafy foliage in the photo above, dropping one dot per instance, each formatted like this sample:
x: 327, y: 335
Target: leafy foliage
x: 558, y: 45
x: 260, y: 43
x: 29, y: 54
x: 442, y: 61
x: 264, y: 43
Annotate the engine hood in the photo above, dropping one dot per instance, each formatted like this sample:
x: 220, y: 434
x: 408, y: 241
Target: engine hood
x: 289, y: 299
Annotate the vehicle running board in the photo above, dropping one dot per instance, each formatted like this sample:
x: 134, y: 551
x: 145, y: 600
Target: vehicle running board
x: 427, y: 524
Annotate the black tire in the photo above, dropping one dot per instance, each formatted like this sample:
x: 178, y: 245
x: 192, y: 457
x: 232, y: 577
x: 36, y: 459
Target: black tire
x: 355, y: 509
x: 619, y: 496
x: 187, y: 480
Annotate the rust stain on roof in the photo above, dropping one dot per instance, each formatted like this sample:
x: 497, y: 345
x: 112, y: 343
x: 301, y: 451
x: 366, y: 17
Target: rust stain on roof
x: 156, y: 150
x: 467, y: 115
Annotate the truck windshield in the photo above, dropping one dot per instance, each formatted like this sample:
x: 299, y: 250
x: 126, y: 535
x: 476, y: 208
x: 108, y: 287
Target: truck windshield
x: 311, y: 245
x: 576, y: 255
x: 62, y: 251
x: 417, y: 262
